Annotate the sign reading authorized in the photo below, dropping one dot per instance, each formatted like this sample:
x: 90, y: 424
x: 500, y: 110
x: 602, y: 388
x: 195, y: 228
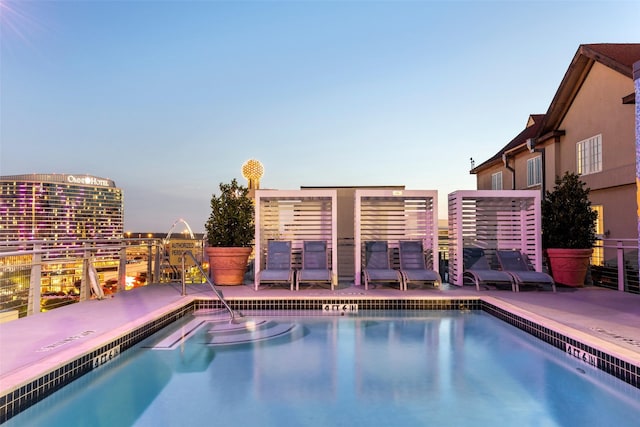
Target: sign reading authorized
x: 179, y: 246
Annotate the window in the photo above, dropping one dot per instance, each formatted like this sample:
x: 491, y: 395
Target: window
x: 589, y: 155
x: 496, y: 181
x: 534, y: 171
x: 597, y: 258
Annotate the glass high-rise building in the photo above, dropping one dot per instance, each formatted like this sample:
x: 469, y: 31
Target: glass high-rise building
x: 60, y: 206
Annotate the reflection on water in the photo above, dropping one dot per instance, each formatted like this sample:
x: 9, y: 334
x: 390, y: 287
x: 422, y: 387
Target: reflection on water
x: 117, y: 393
x: 306, y: 371
x: 397, y: 359
x: 371, y: 369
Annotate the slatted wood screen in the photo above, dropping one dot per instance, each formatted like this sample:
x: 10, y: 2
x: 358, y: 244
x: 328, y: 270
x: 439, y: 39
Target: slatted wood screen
x: 296, y: 215
x: 395, y: 215
x: 493, y: 220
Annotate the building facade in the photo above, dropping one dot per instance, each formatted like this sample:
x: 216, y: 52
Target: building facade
x: 589, y: 129
x: 60, y: 206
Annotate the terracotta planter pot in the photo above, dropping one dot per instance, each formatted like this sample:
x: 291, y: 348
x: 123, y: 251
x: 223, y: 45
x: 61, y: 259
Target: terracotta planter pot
x: 228, y: 265
x: 569, y: 266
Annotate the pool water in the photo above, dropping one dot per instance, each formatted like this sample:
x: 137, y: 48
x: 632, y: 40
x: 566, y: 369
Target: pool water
x: 369, y: 369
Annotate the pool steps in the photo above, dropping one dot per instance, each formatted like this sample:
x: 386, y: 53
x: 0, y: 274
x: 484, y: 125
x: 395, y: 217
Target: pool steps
x: 246, y: 330
x: 222, y: 331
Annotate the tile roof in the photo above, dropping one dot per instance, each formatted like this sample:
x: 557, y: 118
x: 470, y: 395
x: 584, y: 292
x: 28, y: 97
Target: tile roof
x: 617, y: 56
x: 625, y: 54
x: 531, y: 131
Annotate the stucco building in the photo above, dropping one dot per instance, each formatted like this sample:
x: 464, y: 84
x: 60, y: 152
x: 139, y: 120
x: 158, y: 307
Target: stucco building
x: 589, y: 128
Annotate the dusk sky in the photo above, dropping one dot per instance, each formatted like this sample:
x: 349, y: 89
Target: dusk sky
x: 170, y: 98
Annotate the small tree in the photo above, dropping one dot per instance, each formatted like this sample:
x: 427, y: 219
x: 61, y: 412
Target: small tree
x: 231, y: 223
x: 568, y: 222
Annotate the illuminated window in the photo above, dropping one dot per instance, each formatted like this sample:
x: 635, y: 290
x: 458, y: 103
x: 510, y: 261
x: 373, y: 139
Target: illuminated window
x: 55, y: 209
x: 597, y: 258
x: 496, y: 181
x: 589, y: 155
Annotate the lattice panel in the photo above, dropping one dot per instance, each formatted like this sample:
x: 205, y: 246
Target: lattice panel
x: 297, y: 216
x: 394, y: 215
x: 493, y: 220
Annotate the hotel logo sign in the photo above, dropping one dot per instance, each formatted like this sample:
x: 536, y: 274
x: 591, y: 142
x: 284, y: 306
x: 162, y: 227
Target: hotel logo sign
x: 87, y: 180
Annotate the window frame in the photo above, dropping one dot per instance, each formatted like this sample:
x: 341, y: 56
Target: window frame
x: 495, y: 177
x: 589, y: 155
x: 534, y: 171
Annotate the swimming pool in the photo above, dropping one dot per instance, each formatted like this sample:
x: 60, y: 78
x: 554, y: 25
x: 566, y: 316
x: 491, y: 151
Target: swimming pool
x: 373, y: 368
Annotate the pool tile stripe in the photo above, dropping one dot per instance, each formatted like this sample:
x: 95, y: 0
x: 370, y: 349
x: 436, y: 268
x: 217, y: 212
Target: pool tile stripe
x: 23, y: 397
x: 363, y: 304
x: 620, y: 369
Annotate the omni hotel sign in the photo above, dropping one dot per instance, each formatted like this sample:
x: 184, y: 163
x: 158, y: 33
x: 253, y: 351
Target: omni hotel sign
x: 88, y: 180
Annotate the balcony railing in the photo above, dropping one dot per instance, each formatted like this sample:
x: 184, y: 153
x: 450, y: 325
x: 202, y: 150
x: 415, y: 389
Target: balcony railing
x: 39, y: 276
x: 614, y: 265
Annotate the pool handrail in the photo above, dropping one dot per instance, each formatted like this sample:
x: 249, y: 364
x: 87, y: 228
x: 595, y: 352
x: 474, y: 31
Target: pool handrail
x: 206, y: 277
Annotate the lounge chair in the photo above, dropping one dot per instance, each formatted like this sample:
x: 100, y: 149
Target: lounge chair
x: 478, y: 270
x: 413, y: 267
x: 515, y: 263
x: 278, y: 267
x: 315, y: 265
x: 377, y: 267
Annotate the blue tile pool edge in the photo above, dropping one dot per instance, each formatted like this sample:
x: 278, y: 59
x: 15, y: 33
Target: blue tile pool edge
x: 612, y: 365
x: 24, y: 396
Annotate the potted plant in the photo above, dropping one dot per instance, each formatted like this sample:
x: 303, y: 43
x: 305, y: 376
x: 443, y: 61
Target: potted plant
x: 568, y: 229
x: 230, y: 233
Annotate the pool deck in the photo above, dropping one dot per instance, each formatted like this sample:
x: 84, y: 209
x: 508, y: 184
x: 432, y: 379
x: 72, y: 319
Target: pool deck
x: 605, y: 319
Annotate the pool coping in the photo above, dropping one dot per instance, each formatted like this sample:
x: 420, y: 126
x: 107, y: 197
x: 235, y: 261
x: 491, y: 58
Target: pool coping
x: 26, y: 386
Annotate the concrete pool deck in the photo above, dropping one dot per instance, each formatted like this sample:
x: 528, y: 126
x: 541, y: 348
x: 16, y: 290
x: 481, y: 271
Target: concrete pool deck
x: 604, y: 319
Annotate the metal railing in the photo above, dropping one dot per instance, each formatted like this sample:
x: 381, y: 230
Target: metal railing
x: 206, y: 276
x: 42, y: 275
x: 614, y: 265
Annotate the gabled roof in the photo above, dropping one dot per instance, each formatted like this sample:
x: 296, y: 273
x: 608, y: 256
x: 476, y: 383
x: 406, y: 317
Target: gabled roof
x: 534, y: 125
x: 619, y: 57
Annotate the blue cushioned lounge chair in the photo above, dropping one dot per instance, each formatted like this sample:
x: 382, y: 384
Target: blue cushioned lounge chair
x: 315, y: 264
x: 278, y: 267
x: 413, y: 267
x: 478, y: 270
x: 515, y: 263
x: 377, y: 268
